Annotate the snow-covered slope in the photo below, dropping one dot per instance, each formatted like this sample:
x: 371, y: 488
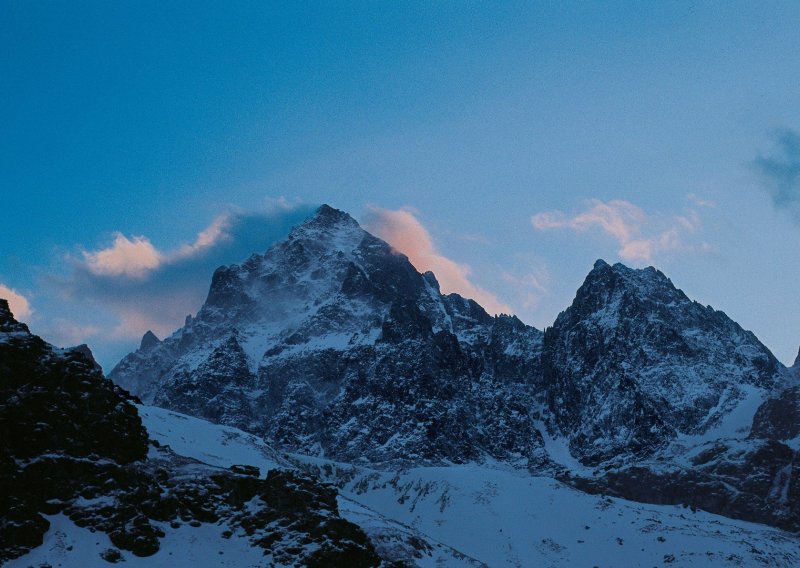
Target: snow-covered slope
x: 506, y: 517
x: 224, y: 447
x: 495, y: 515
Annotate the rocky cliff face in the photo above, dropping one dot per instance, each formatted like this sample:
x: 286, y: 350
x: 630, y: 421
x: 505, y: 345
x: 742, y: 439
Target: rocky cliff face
x: 333, y: 341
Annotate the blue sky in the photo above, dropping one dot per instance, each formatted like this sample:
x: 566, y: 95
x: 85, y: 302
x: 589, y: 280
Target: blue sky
x: 508, y: 145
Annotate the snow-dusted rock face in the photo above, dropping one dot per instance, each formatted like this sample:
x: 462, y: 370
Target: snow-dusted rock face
x: 633, y: 362
x: 754, y: 480
x: 332, y: 340
x: 778, y: 418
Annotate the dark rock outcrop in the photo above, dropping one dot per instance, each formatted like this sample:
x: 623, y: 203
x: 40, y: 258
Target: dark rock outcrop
x: 73, y: 443
x: 754, y: 480
x: 778, y: 418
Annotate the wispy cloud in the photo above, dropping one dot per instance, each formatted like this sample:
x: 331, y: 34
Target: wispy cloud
x: 529, y: 287
x: 699, y: 201
x: 780, y: 172
x: 401, y: 229
x: 19, y: 304
x: 639, y: 235
x: 64, y: 332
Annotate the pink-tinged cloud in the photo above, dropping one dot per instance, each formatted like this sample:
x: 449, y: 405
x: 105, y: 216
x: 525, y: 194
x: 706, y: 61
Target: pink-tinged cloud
x: 640, y: 236
x: 132, y: 322
x: 111, y: 295
x: 401, y: 229
x: 126, y: 257
x: 19, y: 304
x: 137, y: 257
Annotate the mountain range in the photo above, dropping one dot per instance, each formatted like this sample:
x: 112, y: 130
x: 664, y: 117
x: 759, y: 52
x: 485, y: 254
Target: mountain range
x: 353, y: 365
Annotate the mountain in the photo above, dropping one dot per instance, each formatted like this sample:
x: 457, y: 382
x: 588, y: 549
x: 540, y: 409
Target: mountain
x: 75, y: 453
x: 332, y: 341
x: 633, y: 364
x: 331, y: 344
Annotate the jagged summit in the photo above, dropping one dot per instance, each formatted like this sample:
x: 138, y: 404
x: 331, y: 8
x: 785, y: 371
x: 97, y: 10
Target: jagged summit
x: 605, y: 281
x: 149, y: 340
x: 5, y: 311
x: 328, y: 216
x: 327, y: 226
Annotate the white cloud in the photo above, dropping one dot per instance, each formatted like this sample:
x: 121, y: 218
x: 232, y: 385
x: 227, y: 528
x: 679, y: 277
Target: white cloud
x: 137, y: 257
x: 401, y: 229
x: 640, y: 236
x: 126, y: 257
x: 19, y: 304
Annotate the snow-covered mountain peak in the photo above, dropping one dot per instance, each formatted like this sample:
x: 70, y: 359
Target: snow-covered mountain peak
x: 634, y: 363
x: 333, y: 340
x: 611, y: 287
x: 326, y: 222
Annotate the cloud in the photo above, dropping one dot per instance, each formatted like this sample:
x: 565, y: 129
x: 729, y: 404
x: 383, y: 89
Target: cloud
x: 699, y: 201
x: 137, y: 257
x: 19, y: 304
x: 640, y: 236
x: 401, y: 229
x: 530, y: 287
x: 126, y: 257
x: 780, y: 172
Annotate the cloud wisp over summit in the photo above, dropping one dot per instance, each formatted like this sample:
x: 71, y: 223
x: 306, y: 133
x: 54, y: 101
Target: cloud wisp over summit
x: 110, y: 295
x: 640, y: 236
x: 780, y: 172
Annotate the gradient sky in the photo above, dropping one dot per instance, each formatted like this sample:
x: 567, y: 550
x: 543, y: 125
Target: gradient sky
x: 506, y: 146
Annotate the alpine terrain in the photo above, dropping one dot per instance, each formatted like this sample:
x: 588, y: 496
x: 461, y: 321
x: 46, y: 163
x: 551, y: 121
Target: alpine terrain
x: 329, y: 405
